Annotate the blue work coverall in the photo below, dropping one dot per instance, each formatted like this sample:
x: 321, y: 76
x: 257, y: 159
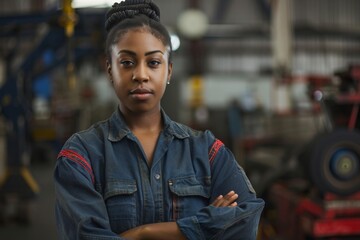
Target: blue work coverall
x: 104, y: 185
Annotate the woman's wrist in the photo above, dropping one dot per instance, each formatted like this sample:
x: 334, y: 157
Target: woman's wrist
x: 159, y: 231
x: 145, y: 231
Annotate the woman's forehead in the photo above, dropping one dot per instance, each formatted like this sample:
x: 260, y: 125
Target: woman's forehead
x: 139, y: 40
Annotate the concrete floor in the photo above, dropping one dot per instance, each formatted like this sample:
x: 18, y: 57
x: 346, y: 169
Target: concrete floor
x: 42, y: 218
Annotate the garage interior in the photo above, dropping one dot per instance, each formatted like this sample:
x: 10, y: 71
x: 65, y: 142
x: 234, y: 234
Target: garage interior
x: 278, y: 81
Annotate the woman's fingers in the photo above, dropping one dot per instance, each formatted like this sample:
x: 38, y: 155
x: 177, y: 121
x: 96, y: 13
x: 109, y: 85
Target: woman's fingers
x: 229, y: 198
x: 217, y: 201
x: 226, y: 201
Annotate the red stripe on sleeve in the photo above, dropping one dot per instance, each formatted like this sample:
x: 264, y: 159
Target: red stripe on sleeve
x: 214, y: 150
x: 75, y: 157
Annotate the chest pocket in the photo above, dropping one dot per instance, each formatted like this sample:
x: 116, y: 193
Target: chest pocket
x: 120, y: 202
x: 189, y: 195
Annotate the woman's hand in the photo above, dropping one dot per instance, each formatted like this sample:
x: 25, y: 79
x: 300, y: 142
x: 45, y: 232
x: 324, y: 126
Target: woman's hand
x: 226, y: 201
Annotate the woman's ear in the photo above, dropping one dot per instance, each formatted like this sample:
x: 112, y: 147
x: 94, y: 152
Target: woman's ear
x: 170, y: 67
x: 108, y: 71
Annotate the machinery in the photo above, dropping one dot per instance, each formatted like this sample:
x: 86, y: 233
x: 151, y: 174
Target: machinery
x: 17, y: 185
x: 333, y: 157
x: 320, y: 197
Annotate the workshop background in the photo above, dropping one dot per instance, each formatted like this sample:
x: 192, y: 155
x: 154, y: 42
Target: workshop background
x: 278, y: 81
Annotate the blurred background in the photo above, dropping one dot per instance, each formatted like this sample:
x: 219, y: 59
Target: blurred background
x: 278, y: 81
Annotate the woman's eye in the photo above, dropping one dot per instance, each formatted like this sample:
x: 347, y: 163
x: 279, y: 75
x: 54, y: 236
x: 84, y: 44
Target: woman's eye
x: 126, y: 63
x: 154, y: 63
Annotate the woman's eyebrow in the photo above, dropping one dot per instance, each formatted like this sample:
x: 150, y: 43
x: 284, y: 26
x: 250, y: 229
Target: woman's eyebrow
x: 127, y: 52
x: 153, y: 52
x: 134, y: 53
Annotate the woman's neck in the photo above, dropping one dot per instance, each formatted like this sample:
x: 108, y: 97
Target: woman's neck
x: 144, y: 121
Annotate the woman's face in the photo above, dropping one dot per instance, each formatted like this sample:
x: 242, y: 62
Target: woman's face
x: 139, y: 71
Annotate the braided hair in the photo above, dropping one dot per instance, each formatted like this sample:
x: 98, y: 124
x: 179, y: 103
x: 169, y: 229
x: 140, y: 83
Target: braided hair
x: 132, y: 14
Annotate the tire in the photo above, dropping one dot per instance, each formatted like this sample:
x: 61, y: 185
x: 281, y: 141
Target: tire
x: 334, y: 162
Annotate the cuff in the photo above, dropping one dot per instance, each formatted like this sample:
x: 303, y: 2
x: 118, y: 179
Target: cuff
x: 190, y: 227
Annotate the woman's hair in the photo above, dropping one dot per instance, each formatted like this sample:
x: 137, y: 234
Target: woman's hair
x: 132, y: 14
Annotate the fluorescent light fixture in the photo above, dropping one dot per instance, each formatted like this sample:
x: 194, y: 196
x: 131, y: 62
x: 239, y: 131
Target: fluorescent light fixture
x: 93, y: 3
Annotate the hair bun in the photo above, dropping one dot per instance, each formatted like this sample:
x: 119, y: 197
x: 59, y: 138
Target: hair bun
x: 129, y: 8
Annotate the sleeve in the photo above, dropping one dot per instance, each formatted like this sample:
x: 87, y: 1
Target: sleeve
x: 239, y: 222
x: 80, y: 210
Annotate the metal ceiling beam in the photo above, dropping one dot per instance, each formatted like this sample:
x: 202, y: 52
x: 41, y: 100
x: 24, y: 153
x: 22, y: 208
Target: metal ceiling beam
x: 301, y: 31
x: 18, y: 19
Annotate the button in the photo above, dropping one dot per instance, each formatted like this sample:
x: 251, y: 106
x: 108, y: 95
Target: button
x: 157, y: 176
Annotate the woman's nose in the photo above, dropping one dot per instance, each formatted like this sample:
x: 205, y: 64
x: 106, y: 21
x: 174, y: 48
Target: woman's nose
x: 140, y: 73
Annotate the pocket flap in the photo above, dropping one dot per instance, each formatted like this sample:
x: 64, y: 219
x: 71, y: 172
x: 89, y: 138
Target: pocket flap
x: 120, y: 187
x: 190, y: 186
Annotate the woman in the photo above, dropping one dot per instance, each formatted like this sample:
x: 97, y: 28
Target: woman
x: 140, y: 175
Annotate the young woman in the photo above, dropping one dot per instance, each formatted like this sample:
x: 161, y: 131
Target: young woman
x: 140, y: 175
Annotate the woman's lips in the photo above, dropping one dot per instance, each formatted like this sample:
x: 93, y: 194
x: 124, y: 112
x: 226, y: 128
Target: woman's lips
x: 141, y: 93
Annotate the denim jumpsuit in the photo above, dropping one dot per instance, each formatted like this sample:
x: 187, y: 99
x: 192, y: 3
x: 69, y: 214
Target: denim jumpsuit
x: 104, y: 185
